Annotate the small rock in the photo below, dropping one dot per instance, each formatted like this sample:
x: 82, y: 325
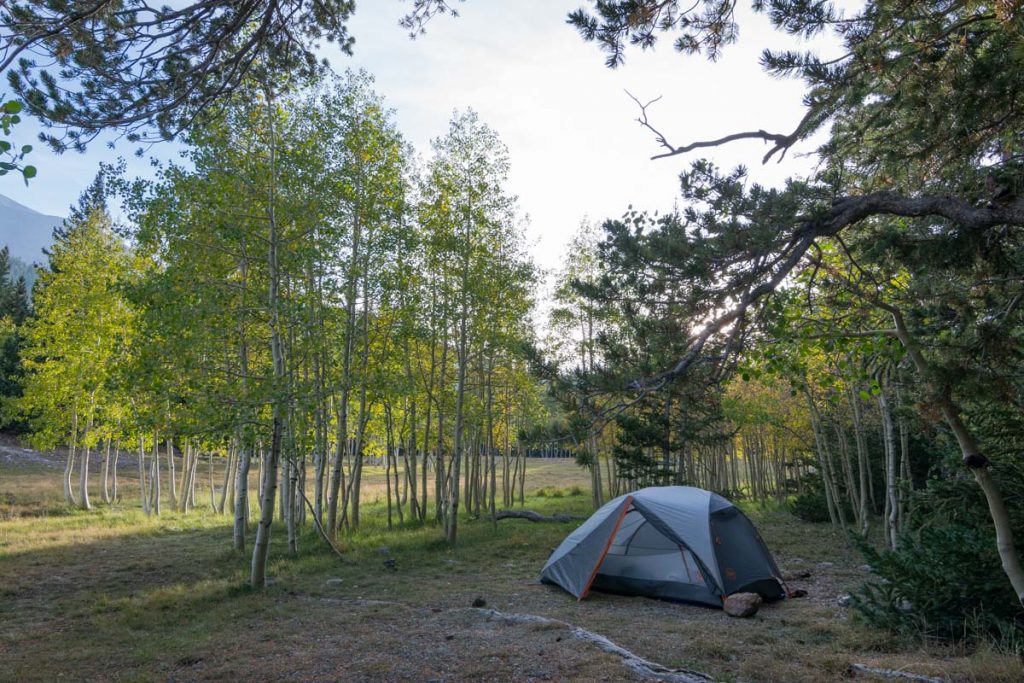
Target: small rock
x: 796, y: 576
x: 333, y: 582
x: 479, y: 602
x: 389, y: 564
x: 449, y: 637
x: 797, y: 593
x: 384, y: 550
x: 866, y: 568
x: 742, y: 604
x: 905, y: 606
x: 844, y: 600
x: 269, y: 581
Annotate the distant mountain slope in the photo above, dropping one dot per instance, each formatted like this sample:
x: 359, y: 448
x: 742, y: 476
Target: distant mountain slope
x: 24, y: 231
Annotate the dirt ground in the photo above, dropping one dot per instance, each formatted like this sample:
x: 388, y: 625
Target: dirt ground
x: 113, y: 595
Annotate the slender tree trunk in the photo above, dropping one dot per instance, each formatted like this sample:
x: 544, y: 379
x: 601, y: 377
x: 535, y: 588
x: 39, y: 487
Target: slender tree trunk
x: 241, y: 497
x: 889, y: 436
x: 213, y: 493
x: 155, y: 478
x: 261, y: 547
x: 863, y: 469
x: 83, y: 475
x: 228, y: 474
x: 973, y: 459
x: 69, y: 465
x: 172, y: 474
x: 105, y: 496
x: 143, y: 490
x: 117, y: 458
x: 819, y: 438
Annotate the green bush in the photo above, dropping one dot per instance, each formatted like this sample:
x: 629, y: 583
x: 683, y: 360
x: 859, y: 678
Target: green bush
x: 810, y: 506
x: 944, y: 583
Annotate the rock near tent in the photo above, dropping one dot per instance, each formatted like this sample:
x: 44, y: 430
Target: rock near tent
x: 670, y: 542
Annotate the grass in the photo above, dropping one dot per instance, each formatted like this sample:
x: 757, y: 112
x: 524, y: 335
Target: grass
x: 114, y: 595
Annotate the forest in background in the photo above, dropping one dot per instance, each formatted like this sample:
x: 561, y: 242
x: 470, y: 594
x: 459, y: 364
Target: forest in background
x: 305, y: 293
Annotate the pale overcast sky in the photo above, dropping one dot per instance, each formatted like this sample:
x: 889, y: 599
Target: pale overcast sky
x: 576, y: 148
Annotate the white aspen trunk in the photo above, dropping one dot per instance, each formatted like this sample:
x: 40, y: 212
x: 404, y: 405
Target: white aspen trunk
x: 69, y: 465
x: 213, y: 493
x: 156, y: 475
x: 291, y: 484
x: 241, y: 506
x: 357, y: 450
x: 105, y: 495
x: 143, y: 491
x: 261, y: 547
x: 863, y: 470
x: 844, y: 446
x: 190, y: 493
x: 891, y: 502
x: 172, y: 475
x: 228, y: 473
x: 822, y: 461
x: 117, y: 458
x: 83, y: 481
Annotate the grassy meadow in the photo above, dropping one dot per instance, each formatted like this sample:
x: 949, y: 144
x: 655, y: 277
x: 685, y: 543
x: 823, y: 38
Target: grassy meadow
x: 114, y: 595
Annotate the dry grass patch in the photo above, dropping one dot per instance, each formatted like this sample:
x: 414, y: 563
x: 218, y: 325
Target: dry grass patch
x: 114, y: 595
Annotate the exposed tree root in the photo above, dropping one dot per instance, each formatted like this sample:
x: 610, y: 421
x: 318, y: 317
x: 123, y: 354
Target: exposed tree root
x: 895, y: 673
x: 635, y: 663
x: 534, y: 516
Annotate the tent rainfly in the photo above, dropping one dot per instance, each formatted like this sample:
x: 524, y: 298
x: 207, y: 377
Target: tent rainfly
x: 670, y: 542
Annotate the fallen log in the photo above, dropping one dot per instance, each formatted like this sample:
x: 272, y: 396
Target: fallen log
x: 535, y: 516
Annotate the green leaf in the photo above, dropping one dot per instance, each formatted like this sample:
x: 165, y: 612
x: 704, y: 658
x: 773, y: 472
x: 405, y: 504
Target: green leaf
x: 29, y: 172
x: 864, y: 395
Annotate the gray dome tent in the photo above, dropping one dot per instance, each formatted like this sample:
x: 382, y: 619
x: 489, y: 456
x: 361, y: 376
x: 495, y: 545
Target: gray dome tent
x: 672, y: 542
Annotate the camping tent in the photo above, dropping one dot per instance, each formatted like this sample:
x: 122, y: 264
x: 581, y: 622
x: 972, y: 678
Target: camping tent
x: 673, y: 542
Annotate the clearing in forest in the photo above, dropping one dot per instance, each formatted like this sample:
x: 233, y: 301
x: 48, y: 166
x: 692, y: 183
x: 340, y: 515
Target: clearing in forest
x: 114, y: 595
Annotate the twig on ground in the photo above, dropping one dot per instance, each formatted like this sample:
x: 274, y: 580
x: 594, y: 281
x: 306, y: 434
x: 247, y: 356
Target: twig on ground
x: 895, y: 673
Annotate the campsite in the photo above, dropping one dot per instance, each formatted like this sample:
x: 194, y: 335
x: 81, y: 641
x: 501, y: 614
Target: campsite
x: 537, y: 340
x: 121, y: 597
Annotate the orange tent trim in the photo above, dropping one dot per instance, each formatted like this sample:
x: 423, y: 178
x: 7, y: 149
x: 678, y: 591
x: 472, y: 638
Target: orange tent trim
x: 607, y: 546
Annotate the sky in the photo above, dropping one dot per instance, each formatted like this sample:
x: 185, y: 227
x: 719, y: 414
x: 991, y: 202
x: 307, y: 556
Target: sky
x: 576, y: 149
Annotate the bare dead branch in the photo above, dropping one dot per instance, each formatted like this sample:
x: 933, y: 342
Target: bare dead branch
x: 781, y: 146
